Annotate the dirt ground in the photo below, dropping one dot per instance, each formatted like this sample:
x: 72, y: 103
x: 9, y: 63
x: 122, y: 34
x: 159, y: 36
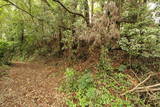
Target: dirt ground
x: 31, y: 85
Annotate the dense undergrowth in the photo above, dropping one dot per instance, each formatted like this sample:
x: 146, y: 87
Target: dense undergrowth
x: 107, y: 83
x: 6, y: 52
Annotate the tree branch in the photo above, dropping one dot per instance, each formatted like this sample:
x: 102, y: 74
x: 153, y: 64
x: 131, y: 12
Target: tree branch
x: 147, y: 87
x: 65, y: 28
x: 146, y: 90
x: 125, y: 20
x: 13, y: 4
x: 136, y: 87
x: 4, y: 5
x: 48, y: 4
x: 69, y: 11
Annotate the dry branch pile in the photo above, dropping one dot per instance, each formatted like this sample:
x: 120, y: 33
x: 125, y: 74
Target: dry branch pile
x: 140, y: 88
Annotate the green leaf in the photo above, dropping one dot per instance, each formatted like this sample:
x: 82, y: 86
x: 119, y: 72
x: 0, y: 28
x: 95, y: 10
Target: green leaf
x: 122, y: 68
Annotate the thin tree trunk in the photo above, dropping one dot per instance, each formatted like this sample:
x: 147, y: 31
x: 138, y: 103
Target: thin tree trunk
x: 86, y: 11
x: 30, y: 6
x: 91, y: 11
x: 74, y: 18
x: 22, y: 32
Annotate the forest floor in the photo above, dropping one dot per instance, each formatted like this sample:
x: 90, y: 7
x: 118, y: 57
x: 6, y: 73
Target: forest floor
x: 31, y: 85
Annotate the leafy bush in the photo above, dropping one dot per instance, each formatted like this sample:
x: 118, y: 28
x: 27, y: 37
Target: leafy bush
x: 70, y: 80
x: 146, y: 44
x: 5, y: 52
x: 84, y: 89
x: 141, y: 36
x: 104, y: 61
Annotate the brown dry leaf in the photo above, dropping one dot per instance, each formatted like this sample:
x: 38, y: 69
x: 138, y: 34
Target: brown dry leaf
x: 29, y: 86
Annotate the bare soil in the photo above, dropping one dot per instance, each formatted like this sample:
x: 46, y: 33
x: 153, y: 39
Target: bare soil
x: 31, y: 85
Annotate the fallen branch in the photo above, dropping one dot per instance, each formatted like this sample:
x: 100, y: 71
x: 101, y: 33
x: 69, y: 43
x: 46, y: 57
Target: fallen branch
x: 136, y: 87
x: 147, y: 87
x: 146, y: 90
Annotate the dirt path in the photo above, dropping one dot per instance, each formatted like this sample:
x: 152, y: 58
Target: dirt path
x: 31, y: 85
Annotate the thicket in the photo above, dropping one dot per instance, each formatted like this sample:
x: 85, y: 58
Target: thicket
x: 6, y: 52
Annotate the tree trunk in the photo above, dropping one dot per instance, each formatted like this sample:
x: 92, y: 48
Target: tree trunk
x: 61, y: 44
x: 22, y: 32
x: 91, y: 11
x: 86, y: 11
x: 74, y: 18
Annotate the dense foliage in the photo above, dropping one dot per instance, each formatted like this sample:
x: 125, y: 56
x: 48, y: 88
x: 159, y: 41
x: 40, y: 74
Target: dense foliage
x: 6, y: 50
x: 142, y: 36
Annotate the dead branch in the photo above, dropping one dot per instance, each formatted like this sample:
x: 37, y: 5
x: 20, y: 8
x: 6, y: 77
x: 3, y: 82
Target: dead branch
x: 147, y: 87
x: 136, y: 87
x: 150, y: 89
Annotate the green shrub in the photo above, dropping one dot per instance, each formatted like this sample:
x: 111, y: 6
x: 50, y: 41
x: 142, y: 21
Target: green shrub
x: 87, y: 90
x: 142, y: 37
x: 5, y: 52
x: 70, y: 83
x: 146, y: 44
x: 104, y: 61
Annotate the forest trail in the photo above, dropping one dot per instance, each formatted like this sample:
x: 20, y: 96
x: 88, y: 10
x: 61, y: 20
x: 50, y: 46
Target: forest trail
x: 31, y: 85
